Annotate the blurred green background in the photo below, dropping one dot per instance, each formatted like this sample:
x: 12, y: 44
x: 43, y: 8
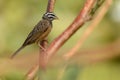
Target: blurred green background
x: 17, y: 19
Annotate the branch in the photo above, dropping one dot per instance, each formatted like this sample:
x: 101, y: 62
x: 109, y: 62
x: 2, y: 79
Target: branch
x: 44, y: 43
x: 90, y: 29
x: 32, y: 72
x: 51, y: 4
x: 42, y: 55
x: 77, y: 23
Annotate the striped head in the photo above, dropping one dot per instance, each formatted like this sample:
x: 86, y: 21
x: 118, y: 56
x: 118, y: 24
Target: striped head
x: 50, y: 16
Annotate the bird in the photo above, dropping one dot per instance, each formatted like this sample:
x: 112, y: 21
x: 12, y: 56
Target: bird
x: 39, y: 32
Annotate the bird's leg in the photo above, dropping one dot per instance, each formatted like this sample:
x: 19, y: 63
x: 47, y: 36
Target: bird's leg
x: 42, y: 44
x: 41, y: 47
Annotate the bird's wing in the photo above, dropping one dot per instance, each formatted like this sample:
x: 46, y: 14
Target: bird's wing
x: 37, y: 31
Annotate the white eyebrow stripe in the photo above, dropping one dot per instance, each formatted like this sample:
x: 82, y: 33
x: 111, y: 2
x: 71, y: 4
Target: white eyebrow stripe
x: 49, y: 13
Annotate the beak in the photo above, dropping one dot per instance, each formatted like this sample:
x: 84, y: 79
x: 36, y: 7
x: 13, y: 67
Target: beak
x: 56, y: 18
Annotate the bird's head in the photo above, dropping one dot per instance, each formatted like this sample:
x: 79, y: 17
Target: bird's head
x: 50, y: 16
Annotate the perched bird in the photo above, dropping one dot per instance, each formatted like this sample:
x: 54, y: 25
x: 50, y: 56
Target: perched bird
x: 40, y: 31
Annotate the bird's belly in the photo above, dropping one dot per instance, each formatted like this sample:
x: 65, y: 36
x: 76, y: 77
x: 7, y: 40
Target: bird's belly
x: 44, y: 35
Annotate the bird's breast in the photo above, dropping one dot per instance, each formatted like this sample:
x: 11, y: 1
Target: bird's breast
x: 45, y: 34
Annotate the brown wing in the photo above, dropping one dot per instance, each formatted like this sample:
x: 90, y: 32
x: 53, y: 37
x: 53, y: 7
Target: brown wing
x: 37, y: 31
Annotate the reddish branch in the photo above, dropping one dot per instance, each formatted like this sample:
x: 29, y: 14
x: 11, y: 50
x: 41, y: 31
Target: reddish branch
x: 42, y: 57
x: 51, y: 4
x: 77, y: 23
x: 32, y: 73
x: 90, y: 29
x: 85, y: 35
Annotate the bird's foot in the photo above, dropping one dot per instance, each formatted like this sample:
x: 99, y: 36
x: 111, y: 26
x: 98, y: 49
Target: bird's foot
x: 42, y: 47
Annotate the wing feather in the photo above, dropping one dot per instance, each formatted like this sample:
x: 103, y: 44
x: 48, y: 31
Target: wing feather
x: 37, y: 31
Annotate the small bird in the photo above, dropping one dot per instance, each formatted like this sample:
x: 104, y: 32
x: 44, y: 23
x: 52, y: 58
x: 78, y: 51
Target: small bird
x: 40, y: 31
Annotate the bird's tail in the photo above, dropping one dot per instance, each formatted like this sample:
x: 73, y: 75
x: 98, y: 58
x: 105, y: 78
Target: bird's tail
x: 13, y: 55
